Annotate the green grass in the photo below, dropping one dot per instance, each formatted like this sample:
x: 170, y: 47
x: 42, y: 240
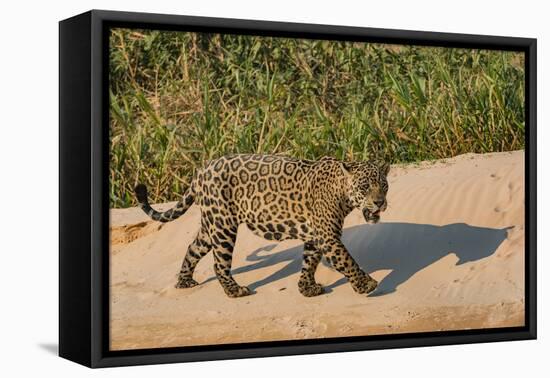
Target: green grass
x: 179, y: 99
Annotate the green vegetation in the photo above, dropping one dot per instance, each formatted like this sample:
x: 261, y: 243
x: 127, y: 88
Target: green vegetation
x: 179, y: 99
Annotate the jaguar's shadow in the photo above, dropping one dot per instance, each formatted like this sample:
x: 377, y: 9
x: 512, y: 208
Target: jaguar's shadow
x: 403, y: 248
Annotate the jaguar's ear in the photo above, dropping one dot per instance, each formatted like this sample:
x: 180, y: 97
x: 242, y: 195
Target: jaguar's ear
x: 385, y: 168
x: 346, y: 168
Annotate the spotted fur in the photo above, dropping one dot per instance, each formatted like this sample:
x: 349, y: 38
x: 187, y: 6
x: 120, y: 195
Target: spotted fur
x: 279, y: 198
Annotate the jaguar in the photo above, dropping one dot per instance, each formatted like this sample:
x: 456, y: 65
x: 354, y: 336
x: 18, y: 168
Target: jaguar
x: 278, y: 198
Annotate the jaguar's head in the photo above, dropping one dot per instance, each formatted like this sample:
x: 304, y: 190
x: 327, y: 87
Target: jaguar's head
x: 367, y: 187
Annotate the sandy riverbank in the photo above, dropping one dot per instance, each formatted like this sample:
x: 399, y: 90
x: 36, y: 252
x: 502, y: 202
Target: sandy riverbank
x: 448, y: 252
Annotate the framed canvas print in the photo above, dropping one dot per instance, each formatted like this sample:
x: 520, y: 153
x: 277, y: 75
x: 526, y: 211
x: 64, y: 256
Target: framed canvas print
x: 233, y: 188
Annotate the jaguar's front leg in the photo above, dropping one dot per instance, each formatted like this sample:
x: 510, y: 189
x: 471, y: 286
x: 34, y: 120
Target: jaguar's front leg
x: 338, y: 256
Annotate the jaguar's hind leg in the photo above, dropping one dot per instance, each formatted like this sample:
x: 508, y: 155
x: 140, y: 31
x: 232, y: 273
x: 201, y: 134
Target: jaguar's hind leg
x: 223, y: 242
x: 196, y: 251
x: 307, y: 285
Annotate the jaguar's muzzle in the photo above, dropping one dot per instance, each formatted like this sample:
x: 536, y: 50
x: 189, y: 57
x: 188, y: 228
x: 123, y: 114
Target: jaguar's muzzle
x: 371, y: 216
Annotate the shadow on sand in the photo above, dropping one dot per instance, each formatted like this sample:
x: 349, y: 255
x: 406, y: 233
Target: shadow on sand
x: 403, y: 248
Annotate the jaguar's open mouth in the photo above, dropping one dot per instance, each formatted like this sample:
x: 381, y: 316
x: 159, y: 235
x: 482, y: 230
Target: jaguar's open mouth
x: 371, y: 216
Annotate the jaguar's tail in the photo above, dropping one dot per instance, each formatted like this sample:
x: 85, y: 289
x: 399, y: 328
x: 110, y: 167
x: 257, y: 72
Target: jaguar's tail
x: 169, y: 215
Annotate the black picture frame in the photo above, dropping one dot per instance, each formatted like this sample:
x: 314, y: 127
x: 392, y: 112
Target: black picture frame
x: 83, y: 195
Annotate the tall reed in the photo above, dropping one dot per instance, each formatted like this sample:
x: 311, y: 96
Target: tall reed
x: 178, y: 99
